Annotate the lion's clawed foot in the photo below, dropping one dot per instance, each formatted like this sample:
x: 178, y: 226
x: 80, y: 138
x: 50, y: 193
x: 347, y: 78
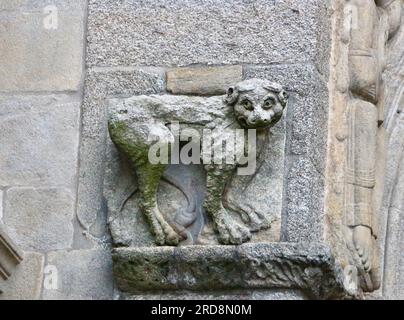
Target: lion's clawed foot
x: 230, y: 232
x: 253, y: 218
x: 163, y: 232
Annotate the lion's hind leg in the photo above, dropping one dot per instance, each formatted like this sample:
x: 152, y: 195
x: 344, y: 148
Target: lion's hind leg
x: 149, y: 176
x: 135, y: 141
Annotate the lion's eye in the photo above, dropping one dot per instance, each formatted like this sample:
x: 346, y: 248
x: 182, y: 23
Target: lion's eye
x: 268, y: 104
x: 247, y: 105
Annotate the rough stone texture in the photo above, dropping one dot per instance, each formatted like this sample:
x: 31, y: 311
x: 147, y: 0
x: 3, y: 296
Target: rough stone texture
x: 303, y: 79
x: 1, y: 206
x: 203, y: 80
x: 391, y: 240
x: 111, y: 81
x: 44, y: 152
x: 10, y: 255
x: 307, y: 267
x: 134, y: 116
x: 204, y: 32
x: 303, y: 214
x: 352, y: 74
x: 26, y: 281
x: 100, y: 83
x: 222, y: 295
x: 89, y: 277
x: 306, y: 140
x: 34, y: 57
x: 40, y: 219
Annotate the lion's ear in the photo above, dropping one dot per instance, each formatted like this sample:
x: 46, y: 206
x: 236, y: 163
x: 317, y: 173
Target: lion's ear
x: 232, y: 95
x: 283, y: 98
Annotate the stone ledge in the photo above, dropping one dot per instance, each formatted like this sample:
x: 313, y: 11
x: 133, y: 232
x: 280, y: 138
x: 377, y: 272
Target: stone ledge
x: 308, y: 267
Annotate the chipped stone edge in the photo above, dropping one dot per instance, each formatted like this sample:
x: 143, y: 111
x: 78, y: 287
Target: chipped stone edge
x: 10, y: 256
x: 307, y: 267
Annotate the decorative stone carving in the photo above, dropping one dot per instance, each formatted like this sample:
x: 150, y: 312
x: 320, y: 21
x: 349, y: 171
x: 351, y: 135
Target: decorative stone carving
x: 309, y: 267
x: 10, y: 256
x: 203, y: 80
x: 139, y: 123
x: 372, y: 24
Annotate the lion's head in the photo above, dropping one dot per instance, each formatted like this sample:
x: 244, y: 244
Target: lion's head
x: 257, y: 103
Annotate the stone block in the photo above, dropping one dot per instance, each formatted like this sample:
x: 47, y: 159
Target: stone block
x: 203, y: 80
x: 309, y: 267
x: 303, y: 79
x: 279, y: 294
x: 41, y: 45
x: 40, y: 219
x: 39, y: 140
x: 82, y: 274
x: 110, y: 81
x: 1, y: 206
x: 26, y: 280
x: 185, y: 32
x: 303, y: 218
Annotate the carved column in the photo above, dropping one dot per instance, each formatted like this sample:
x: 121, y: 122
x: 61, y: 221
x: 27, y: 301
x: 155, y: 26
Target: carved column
x: 372, y: 23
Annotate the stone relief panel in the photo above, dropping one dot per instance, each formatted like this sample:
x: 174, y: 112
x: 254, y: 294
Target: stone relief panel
x: 185, y: 204
x: 363, y: 35
x: 194, y: 208
x: 391, y: 220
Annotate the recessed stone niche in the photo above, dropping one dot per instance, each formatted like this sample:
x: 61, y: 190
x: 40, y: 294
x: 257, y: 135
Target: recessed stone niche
x: 183, y: 61
x: 199, y: 261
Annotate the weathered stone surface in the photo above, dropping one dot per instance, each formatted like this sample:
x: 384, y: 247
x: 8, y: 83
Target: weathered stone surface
x: 306, y: 141
x: 392, y: 214
x: 102, y: 83
x: 111, y: 81
x: 203, y: 80
x: 45, y: 152
x: 359, y: 103
x: 42, y: 45
x: 307, y: 109
x: 303, y: 79
x: 10, y: 255
x: 309, y: 267
x: 40, y: 219
x: 82, y: 274
x: 280, y: 294
x: 26, y: 281
x: 1, y: 206
x: 134, y: 120
x: 391, y: 239
x: 206, y: 31
x: 302, y: 218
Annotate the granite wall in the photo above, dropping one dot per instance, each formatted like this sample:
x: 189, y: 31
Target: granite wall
x: 62, y: 59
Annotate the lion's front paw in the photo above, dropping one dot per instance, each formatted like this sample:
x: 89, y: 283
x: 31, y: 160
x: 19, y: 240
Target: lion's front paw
x: 230, y: 232
x: 254, y: 219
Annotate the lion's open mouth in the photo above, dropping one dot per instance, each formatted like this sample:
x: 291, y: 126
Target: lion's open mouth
x: 243, y: 122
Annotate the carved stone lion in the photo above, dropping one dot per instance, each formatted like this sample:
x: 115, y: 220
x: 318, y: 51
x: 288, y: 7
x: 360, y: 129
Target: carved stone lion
x: 139, y: 122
